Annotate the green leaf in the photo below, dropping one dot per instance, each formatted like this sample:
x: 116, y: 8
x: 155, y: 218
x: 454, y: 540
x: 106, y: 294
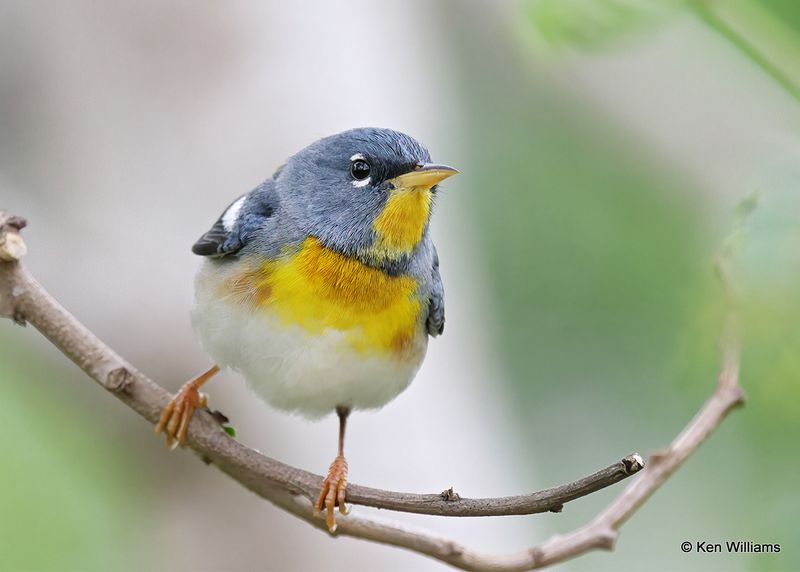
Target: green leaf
x: 589, y: 24
x: 230, y: 430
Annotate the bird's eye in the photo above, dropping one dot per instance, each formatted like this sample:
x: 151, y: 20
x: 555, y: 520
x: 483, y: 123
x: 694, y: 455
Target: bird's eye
x: 359, y: 169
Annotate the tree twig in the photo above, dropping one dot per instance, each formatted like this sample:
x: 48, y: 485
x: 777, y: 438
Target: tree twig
x: 24, y: 300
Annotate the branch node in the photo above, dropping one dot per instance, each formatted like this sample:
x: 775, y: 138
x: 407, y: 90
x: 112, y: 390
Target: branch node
x: 118, y: 379
x: 219, y: 416
x: 556, y: 508
x: 738, y: 397
x: 12, y: 247
x: 452, y: 548
x: 536, y: 555
x: 658, y: 457
x: 19, y: 318
x: 633, y: 463
x: 450, y: 495
x: 606, y: 538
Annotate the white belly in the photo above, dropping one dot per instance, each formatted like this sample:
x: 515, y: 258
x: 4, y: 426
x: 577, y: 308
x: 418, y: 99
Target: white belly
x: 288, y: 367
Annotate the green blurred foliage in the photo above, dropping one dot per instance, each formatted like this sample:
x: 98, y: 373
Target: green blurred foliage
x: 590, y: 24
x: 765, y: 31
x: 66, y: 499
x: 769, y: 277
x: 594, y: 24
x: 788, y: 11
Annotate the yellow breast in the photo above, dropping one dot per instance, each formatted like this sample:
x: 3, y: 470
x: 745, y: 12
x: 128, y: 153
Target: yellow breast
x: 318, y: 289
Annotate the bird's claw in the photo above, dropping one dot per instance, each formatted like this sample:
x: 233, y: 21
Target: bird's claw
x: 334, y: 490
x: 175, y: 418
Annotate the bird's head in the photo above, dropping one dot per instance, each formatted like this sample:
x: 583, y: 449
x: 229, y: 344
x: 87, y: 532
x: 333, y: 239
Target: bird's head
x: 365, y: 192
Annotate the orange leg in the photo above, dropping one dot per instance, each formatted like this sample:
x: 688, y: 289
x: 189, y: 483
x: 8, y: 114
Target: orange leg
x: 334, y: 487
x: 178, y: 413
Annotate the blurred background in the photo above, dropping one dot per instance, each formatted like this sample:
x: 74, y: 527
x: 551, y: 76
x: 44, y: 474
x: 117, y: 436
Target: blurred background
x: 604, y: 147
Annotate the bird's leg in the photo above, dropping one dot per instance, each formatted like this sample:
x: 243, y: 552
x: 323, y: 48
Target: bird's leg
x: 175, y: 418
x: 334, y: 487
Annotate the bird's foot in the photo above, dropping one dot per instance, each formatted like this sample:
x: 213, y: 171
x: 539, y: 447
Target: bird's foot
x: 334, y: 489
x: 175, y: 418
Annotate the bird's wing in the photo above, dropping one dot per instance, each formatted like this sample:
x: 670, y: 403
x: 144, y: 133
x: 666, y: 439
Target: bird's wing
x: 229, y: 234
x: 435, y: 321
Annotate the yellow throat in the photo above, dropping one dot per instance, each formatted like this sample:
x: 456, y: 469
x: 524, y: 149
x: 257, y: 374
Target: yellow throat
x: 400, y: 225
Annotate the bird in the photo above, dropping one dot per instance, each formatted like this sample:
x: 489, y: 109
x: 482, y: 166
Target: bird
x: 321, y: 286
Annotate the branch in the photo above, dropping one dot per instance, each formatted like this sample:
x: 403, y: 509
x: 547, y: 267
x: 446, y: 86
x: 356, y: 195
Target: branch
x: 24, y: 300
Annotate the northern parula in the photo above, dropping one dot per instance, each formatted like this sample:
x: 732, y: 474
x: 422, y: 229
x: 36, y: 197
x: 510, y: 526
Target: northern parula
x: 321, y: 285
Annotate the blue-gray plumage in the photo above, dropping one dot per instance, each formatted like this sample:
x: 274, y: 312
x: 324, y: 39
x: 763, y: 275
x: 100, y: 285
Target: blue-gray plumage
x: 435, y: 321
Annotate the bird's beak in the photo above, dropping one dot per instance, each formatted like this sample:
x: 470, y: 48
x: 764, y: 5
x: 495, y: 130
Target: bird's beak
x: 424, y: 175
